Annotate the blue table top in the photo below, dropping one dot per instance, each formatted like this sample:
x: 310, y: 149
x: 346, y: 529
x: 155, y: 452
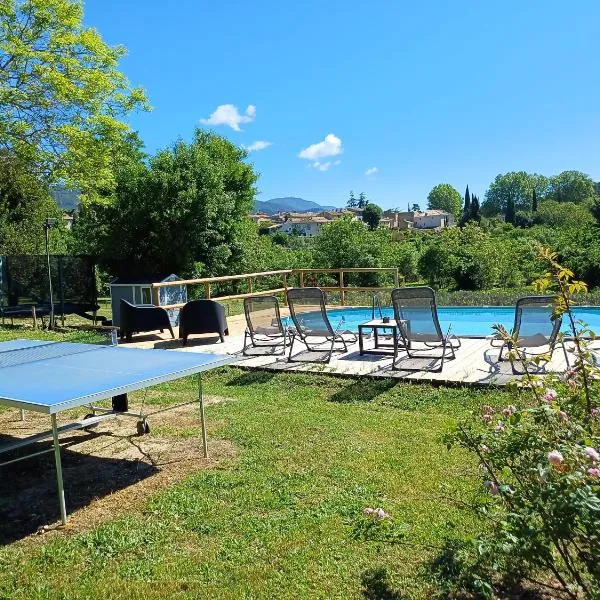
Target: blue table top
x: 52, y: 376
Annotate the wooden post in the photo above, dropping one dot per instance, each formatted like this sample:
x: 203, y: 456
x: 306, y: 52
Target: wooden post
x: 342, y: 291
x: 301, y: 278
x: 250, y: 285
x: 285, y: 288
x: 397, y: 278
x: 207, y: 290
x: 155, y: 295
x: 34, y: 316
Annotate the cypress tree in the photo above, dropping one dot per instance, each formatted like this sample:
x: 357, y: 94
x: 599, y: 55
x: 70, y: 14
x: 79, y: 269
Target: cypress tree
x: 534, y: 202
x: 474, y: 210
x: 467, y: 206
x: 509, y: 217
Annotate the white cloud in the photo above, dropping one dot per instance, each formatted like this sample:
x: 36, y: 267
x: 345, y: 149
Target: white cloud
x: 330, y: 146
x: 228, y: 114
x: 325, y: 166
x: 258, y: 145
x: 371, y: 171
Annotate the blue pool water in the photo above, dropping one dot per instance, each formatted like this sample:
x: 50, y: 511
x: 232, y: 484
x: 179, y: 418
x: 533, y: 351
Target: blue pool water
x: 465, y: 320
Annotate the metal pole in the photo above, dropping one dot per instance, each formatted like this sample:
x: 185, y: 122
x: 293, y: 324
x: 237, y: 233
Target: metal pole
x: 201, y: 399
x: 47, y: 230
x: 59, y: 477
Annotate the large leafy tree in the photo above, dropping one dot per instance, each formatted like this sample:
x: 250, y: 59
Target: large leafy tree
x: 516, y: 188
x: 61, y: 94
x: 183, y: 212
x: 571, y: 186
x: 445, y: 197
x: 371, y: 215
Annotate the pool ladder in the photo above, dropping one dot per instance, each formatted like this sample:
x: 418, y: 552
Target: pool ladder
x: 376, y: 304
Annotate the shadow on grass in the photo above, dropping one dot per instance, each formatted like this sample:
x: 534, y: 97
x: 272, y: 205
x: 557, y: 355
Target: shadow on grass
x: 363, y: 390
x: 376, y: 585
x: 28, y: 494
x: 252, y: 378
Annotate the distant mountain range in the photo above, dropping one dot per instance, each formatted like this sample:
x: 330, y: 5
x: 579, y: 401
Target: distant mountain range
x: 288, y: 204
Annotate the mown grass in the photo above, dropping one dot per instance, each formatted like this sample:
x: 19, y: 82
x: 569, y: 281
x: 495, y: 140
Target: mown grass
x: 284, y: 518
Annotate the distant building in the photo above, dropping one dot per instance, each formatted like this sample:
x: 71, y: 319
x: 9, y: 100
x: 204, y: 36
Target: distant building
x: 400, y: 220
x: 433, y: 219
x: 309, y: 226
x: 429, y: 219
x: 260, y: 218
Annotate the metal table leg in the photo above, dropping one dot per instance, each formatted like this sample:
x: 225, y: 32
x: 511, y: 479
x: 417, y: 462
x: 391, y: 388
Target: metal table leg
x: 201, y: 400
x: 59, y: 476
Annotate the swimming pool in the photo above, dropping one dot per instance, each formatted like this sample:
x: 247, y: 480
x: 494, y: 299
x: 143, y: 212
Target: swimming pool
x: 465, y: 320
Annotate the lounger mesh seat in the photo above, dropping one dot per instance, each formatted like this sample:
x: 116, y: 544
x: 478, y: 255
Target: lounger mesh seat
x: 264, y: 328
x: 312, y: 325
x: 415, y: 311
x: 535, y: 327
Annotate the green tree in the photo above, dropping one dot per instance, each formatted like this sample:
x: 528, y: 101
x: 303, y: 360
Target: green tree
x: 372, y: 215
x: 183, y: 212
x: 25, y: 203
x: 467, y: 204
x: 474, y: 214
x: 563, y: 214
x: 571, y: 186
x: 509, y: 216
x: 445, y: 197
x: 61, y: 94
x: 352, y: 201
x: 534, y: 202
x: 362, y: 200
x: 516, y: 187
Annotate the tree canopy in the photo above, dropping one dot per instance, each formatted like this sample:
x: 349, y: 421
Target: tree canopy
x: 182, y: 213
x: 571, y: 186
x: 444, y: 197
x: 515, y: 187
x: 371, y: 215
x: 61, y: 94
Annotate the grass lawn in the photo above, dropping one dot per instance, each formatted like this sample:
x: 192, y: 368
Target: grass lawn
x: 283, y: 519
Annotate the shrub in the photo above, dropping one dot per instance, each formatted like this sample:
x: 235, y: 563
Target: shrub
x: 539, y: 465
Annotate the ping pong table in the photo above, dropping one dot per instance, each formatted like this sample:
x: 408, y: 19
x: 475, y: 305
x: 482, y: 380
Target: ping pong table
x: 50, y: 377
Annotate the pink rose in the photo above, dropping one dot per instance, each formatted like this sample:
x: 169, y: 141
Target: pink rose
x: 593, y: 472
x: 555, y: 458
x: 368, y: 511
x: 509, y: 410
x: 591, y: 453
x: 500, y: 427
x: 486, y: 409
x: 595, y: 412
x: 487, y: 418
x: 484, y: 449
x: 563, y: 415
x: 550, y: 395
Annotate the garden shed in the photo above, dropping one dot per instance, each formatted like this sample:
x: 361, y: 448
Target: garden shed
x: 139, y: 291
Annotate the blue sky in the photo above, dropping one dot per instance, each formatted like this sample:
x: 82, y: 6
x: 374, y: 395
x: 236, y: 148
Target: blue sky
x: 425, y: 93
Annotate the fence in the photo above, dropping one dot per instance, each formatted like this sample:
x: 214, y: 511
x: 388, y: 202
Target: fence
x: 285, y: 277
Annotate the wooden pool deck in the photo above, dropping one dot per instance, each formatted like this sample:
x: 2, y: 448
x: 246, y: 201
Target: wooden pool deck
x: 476, y: 362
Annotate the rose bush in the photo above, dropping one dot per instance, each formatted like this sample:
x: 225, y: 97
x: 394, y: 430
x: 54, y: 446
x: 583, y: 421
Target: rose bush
x: 539, y: 463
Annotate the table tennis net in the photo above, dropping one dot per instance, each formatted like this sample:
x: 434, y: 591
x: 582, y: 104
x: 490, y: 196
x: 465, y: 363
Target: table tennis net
x: 31, y: 354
